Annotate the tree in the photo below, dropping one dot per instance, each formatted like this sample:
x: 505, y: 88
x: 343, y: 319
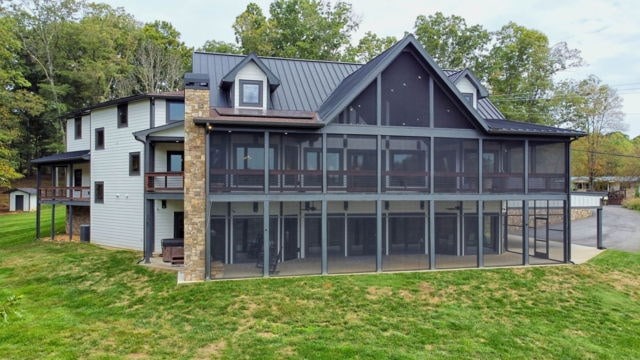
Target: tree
x: 220, y: 47
x: 520, y: 70
x: 452, y: 43
x: 370, y: 46
x: 595, y: 108
x: 307, y: 29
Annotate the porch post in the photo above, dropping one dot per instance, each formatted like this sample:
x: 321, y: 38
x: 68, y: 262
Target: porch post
x: 323, y: 235
x: 480, y: 233
x: 54, y: 179
x: 265, y: 237
x: 432, y: 235
x: 525, y: 232
x: 599, y: 240
x: 209, y: 204
x: 38, y: 199
x: 70, y: 214
x: 567, y: 215
x: 378, y: 235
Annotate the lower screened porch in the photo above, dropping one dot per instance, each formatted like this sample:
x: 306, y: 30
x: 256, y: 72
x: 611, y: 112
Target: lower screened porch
x: 368, y: 236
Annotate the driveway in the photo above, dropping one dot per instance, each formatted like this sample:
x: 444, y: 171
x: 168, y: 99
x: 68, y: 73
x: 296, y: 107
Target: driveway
x: 620, y: 229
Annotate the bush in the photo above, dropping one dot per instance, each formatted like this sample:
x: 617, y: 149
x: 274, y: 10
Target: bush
x: 633, y: 204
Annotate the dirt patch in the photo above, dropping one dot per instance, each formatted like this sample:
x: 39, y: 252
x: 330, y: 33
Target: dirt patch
x: 213, y: 350
x: 374, y: 292
x: 406, y: 295
x: 287, y: 351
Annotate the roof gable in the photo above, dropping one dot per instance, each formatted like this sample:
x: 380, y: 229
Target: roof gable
x: 357, y: 81
x: 230, y: 77
x: 469, y: 75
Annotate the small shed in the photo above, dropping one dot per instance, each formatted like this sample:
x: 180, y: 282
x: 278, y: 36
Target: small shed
x: 22, y: 199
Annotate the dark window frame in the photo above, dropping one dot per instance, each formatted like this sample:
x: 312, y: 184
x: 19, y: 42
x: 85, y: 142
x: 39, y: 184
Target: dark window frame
x: 123, y: 115
x: 241, y: 85
x: 77, y: 128
x: 98, y: 196
x: 134, y: 171
x: 168, y: 111
x: 174, y: 152
x: 77, y: 177
x: 100, y: 139
x: 468, y: 97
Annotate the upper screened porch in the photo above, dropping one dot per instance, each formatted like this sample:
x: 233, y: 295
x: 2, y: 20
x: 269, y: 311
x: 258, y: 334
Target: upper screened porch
x: 337, y: 163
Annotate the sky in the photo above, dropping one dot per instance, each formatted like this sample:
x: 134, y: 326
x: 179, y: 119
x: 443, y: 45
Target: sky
x: 607, y: 32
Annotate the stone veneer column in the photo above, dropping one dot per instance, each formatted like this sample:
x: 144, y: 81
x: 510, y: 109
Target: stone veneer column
x: 196, y: 105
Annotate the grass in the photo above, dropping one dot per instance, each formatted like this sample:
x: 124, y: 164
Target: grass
x: 632, y: 203
x: 81, y: 301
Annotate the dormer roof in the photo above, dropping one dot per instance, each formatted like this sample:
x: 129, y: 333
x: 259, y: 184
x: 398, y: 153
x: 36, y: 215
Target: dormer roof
x: 230, y: 77
x: 456, y: 75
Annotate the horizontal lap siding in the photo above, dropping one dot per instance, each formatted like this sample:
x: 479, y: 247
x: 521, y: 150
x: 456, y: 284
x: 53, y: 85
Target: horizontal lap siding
x: 164, y: 221
x: 119, y: 221
x: 83, y: 143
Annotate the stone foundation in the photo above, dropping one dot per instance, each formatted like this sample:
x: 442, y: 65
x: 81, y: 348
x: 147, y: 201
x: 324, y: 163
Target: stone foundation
x: 555, y: 216
x: 196, y: 105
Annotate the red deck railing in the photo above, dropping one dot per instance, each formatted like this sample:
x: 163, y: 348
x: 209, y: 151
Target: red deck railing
x: 65, y: 193
x: 164, y: 182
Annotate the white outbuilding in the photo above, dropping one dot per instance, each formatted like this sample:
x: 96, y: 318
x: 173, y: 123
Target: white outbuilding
x: 22, y: 199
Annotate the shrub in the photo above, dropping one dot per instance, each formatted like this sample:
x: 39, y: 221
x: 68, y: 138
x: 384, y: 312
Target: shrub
x: 633, y: 204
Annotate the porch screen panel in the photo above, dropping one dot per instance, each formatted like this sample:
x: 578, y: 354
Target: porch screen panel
x: 219, y: 161
x: 352, y: 237
x: 547, y: 167
x: 362, y: 111
x: 299, y: 164
x: 502, y: 166
x: 546, y: 231
x: 404, y: 234
x: 405, y: 163
x: 502, y: 233
x: 447, y: 111
x: 456, y: 234
x: 456, y: 165
x: 352, y: 163
x: 405, y: 92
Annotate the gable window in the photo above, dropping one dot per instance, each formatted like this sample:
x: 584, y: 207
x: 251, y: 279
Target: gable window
x: 123, y: 118
x: 251, y: 93
x: 175, y: 111
x: 134, y: 163
x: 98, y: 192
x: 99, y: 138
x: 468, y: 97
x: 77, y: 125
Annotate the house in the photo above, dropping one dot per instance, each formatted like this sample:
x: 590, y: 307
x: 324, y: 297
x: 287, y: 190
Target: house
x: 291, y: 167
x: 22, y: 199
x: 618, y: 188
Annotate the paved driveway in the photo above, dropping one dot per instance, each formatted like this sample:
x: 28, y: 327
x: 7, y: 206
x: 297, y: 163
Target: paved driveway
x: 620, y: 229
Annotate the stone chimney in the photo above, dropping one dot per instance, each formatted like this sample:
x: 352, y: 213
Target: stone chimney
x: 196, y: 100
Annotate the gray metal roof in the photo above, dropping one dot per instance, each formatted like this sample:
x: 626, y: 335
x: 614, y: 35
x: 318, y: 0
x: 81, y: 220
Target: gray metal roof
x: 305, y: 84
x: 230, y: 77
x: 67, y: 157
x: 328, y: 87
x: 31, y: 191
x: 508, y: 127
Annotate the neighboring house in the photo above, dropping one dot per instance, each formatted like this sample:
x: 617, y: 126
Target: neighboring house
x: 289, y: 167
x: 22, y: 199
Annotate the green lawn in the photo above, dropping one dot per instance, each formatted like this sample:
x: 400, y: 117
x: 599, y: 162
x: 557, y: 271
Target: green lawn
x: 81, y: 301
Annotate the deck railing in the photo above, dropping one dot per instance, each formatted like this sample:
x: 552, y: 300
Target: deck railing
x: 65, y: 193
x: 164, y: 182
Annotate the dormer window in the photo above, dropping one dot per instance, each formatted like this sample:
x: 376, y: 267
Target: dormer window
x: 468, y: 97
x: 251, y: 93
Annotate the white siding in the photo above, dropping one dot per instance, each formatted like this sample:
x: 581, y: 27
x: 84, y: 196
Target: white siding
x: 29, y: 201
x: 584, y: 200
x: 118, y: 221
x: 251, y: 71
x: 84, y: 143
x: 161, y: 112
x: 174, y: 132
x: 160, y: 163
x: 164, y: 221
x: 465, y: 86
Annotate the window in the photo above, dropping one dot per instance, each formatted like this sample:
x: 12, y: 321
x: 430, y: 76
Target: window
x: 251, y: 93
x: 134, y: 163
x: 77, y: 177
x: 99, y: 192
x: 175, y: 111
x: 468, y: 97
x: 123, y: 119
x: 77, y: 125
x: 175, y: 161
x: 99, y: 138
